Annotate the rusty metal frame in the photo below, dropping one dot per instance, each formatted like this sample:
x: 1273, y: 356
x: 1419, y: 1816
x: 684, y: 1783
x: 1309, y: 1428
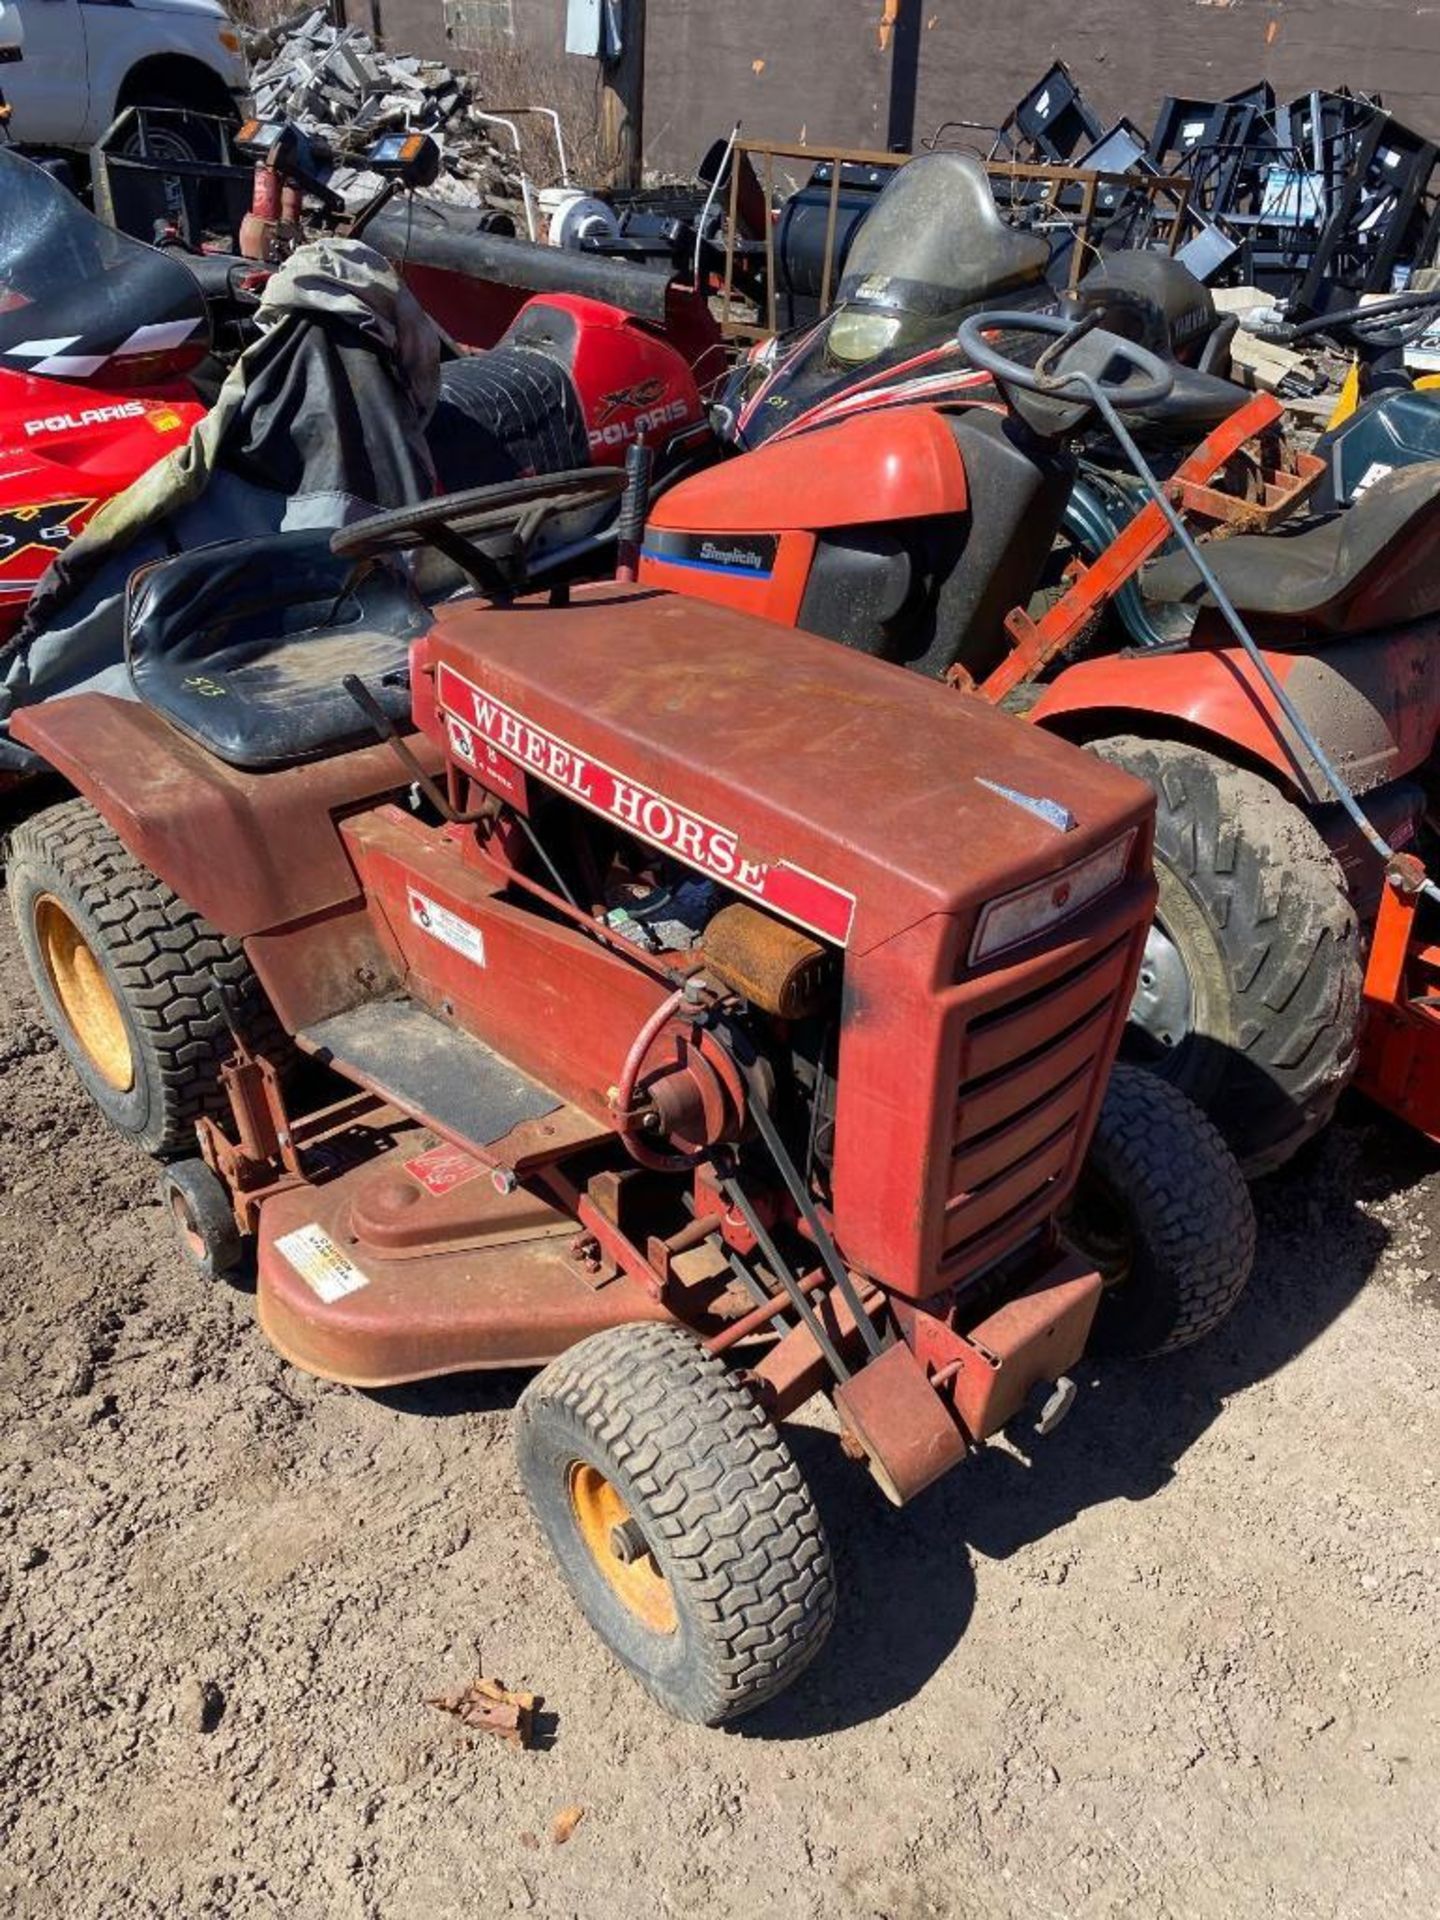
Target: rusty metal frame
x: 1034, y: 643
x: 1399, y: 1065
x: 1153, y: 187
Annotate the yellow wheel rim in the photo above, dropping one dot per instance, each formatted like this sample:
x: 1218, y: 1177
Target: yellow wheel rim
x: 86, y: 997
x: 610, y: 1534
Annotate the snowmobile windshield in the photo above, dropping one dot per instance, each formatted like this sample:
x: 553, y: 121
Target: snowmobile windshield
x: 933, y: 245
x: 932, y: 249
x: 79, y: 301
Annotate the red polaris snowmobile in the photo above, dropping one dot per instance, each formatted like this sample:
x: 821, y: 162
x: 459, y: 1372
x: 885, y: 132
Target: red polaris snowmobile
x: 97, y: 334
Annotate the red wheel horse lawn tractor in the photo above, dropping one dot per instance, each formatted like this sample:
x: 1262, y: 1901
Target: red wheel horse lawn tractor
x: 723, y: 1019
x: 922, y: 536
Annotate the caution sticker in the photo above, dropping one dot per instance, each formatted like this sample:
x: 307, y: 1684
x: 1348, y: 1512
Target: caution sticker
x: 446, y: 927
x: 320, y: 1264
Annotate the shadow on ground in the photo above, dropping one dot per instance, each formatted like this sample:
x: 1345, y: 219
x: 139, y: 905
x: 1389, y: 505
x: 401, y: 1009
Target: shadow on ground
x: 906, y: 1578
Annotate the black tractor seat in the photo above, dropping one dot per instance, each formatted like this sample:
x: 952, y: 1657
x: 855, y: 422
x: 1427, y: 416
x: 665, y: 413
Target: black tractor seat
x: 244, y: 646
x: 1371, y: 565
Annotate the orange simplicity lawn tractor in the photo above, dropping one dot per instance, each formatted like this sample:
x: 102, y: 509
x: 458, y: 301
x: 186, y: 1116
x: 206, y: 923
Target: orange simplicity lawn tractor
x: 609, y: 984
x: 1285, y: 711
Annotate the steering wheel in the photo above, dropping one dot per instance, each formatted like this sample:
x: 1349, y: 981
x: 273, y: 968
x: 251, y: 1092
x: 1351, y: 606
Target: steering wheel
x: 1383, y: 325
x: 455, y: 520
x: 1076, y: 385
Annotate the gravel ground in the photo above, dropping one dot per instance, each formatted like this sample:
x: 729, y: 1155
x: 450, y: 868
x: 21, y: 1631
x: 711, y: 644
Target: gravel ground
x: 1183, y: 1662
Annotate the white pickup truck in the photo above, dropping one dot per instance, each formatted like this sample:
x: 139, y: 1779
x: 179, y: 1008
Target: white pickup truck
x: 82, y: 61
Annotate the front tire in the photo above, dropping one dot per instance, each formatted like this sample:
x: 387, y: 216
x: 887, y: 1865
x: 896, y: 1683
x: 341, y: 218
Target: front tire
x: 682, y: 1525
x: 1162, y: 1209
x: 126, y: 974
x: 1249, y: 994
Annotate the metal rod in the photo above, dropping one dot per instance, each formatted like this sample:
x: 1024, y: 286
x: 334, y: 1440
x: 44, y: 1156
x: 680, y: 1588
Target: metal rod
x: 734, y: 1192
x: 769, y: 242
x: 549, y: 865
x: 819, y: 1232
x: 385, y: 728
x: 735, y: 157
x: 1191, y: 547
x: 832, y: 220
x: 725, y: 160
x: 761, y: 1316
x: 526, y: 194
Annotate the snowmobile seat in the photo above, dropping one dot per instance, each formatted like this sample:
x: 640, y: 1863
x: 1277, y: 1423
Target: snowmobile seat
x: 244, y: 646
x: 504, y: 413
x: 214, y: 272
x: 1370, y: 565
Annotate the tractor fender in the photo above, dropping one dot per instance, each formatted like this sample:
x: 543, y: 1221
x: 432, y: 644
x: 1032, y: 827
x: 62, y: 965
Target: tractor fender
x: 250, y: 851
x: 1372, y: 702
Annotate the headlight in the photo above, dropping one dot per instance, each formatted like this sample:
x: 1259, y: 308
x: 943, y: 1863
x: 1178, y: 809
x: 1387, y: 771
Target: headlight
x: 1020, y: 916
x: 856, y: 335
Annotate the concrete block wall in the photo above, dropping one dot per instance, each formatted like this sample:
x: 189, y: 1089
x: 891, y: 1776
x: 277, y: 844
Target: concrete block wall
x: 821, y: 69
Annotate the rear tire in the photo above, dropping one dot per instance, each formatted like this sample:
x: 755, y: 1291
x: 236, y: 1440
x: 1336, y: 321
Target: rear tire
x: 1253, y: 913
x: 681, y: 1522
x: 1162, y: 1209
x: 126, y: 972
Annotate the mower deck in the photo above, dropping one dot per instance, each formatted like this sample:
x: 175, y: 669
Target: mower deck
x: 413, y: 1263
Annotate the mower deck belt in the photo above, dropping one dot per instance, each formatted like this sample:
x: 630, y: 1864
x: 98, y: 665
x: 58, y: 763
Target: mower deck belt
x: 428, y: 1068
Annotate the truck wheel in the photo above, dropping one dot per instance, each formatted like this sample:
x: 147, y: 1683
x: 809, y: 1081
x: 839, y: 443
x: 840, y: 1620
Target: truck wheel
x: 1249, y: 993
x: 1162, y: 1210
x: 125, y: 972
x: 681, y: 1522
x: 179, y: 139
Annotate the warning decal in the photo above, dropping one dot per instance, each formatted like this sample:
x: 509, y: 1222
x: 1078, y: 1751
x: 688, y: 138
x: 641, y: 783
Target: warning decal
x: 447, y: 927
x: 320, y: 1264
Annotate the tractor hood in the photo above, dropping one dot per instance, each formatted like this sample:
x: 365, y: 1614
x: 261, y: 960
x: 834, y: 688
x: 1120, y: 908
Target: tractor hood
x: 843, y: 795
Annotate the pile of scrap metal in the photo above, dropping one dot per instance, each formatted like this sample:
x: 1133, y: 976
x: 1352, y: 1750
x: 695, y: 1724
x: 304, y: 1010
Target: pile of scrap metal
x: 343, y: 91
x: 1311, y: 200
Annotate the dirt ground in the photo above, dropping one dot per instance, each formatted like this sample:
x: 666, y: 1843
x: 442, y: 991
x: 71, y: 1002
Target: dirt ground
x: 1182, y: 1663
